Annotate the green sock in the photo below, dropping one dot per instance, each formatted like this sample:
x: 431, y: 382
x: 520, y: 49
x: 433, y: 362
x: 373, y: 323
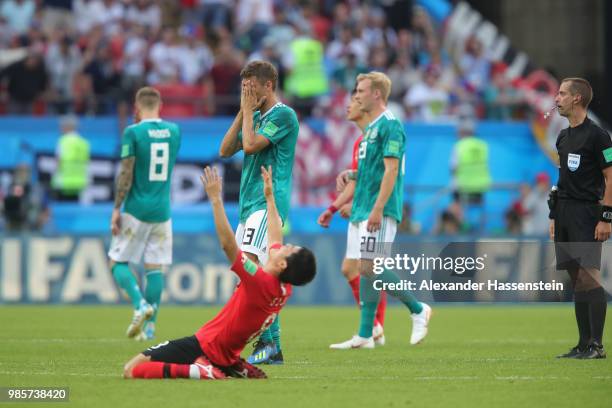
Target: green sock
x: 127, y: 281
x: 368, y: 299
x: 275, y: 331
x: 266, y: 336
x: 404, y: 296
x: 153, y: 290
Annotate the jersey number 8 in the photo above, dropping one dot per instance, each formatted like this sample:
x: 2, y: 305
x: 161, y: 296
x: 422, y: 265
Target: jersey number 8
x: 158, y: 169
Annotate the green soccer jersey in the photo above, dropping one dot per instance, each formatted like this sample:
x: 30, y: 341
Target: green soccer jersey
x: 154, y: 143
x: 384, y: 137
x: 280, y: 126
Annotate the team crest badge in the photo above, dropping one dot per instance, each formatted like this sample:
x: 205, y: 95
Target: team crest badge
x: 573, y: 161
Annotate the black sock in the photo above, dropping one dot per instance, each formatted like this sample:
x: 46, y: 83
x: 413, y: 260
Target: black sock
x: 598, y: 306
x: 581, y: 309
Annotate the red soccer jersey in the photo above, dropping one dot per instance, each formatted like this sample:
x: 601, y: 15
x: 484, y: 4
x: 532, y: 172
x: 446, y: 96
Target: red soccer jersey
x: 356, y: 153
x: 251, y: 309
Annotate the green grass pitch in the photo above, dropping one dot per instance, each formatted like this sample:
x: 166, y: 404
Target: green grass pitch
x: 474, y: 356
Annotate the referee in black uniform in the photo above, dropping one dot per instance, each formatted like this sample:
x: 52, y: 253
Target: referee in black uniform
x: 580, y: 221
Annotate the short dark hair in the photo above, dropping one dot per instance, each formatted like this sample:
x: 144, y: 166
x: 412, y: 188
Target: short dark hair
x: 581, y: 87
x: 301, y: 268
x: 263, y: 71
x: 148, y: 97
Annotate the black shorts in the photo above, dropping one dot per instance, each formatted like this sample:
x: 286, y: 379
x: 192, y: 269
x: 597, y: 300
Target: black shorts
x: 179, y: 351
x: 575, y: 244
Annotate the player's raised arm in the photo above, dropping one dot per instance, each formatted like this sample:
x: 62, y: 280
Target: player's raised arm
x: 230, y: 144
x: 212, y: 184
x: 275, y: 229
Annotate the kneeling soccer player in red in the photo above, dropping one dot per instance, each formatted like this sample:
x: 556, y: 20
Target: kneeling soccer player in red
x: 214, y: 351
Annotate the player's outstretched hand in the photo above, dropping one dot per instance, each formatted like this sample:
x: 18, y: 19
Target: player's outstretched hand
x: 325, y: 218
x: 115, y: 222
x: 212, y: 182
x: 266, y: 175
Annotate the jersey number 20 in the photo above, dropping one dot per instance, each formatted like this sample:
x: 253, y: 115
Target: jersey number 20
x: 158, y: 169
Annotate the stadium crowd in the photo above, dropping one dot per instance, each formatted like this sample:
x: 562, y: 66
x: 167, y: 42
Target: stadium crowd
x: 89, y: 56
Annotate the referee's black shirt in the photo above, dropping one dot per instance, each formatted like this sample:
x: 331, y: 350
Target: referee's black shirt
x: 584, y: 151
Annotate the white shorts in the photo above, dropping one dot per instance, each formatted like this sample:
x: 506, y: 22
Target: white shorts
x: 137, y: 238
x: 252, y: 236
x: 361, y: 244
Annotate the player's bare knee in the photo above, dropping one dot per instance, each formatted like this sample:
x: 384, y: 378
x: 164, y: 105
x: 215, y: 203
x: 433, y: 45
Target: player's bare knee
x: 366, y: 268
x: 151, y: 267
x: 350, y: 269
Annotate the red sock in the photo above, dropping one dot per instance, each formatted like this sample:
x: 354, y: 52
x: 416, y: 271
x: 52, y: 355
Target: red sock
x: 157, y: 369
x: 354, y: 284
x: 382, y: 308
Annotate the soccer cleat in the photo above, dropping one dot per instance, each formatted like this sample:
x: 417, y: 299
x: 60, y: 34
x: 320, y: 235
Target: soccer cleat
x: 573, y: 353
x: 593, y: 352
x: 353, y: 343
x: 276, y: 359
x: 419, y: 324
x: 149, y: 330
x: 379, y: 335
x: 262, y: 352
x: 141, y: 314
x: 206, y: 370
x: 243, y: 369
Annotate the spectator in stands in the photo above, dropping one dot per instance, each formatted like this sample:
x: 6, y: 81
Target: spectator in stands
x: 306, y: 79
x: 500, y: 97
x: 6, y: 34
x: 345, y: 74
x: 19, y: 14
x: 347, y: 44
x: 535, y: 205
x: 195, y: 60
x: 87, y: 14
x: 165, y: 59
x: 145, y: 13
x: 135, y: 50
x: 376, y: 32
x: 474, y: 66
x: 26, y: 206
x: 63, y: 61
x: 57, y: 14
x: 27, y: 81
x: 103, y: 78
x: 216, y: 14
x: 403, y: 75
x: 427, y: 100
x: 225, y: 76
x: 253, y: 20
x: 71, y: 176
x: 470, y: 164
x: 451, y: 220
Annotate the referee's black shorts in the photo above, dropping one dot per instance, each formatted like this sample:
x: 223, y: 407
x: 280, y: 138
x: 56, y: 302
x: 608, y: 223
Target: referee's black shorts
x: 575, y: 244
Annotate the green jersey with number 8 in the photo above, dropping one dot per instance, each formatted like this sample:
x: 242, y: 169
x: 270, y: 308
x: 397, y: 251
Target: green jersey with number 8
x: 154, y: 143
x: 383, y: 138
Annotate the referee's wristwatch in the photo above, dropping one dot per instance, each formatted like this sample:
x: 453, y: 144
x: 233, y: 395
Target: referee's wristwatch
x: 606, y: 214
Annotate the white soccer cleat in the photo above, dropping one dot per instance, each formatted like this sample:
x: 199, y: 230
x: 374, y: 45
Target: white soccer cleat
x: 144, y: 312
x: 379, y: 335
x: 419, y: 324
x: 353, y: 343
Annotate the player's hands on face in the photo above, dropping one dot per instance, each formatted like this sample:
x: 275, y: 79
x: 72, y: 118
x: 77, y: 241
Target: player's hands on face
x: 325, y: 218
x: 345, y: 210
x: 551, y: 230
x: 115, y: 222
x: 602, y: 231
x: 248, y: 97
x: 212, y: 182
x: 342, y: 180
x: 266, y: 175
x: 374, y: 220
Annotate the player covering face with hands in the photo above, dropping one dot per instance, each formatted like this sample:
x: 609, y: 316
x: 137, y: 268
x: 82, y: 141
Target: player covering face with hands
x: 214, y: 351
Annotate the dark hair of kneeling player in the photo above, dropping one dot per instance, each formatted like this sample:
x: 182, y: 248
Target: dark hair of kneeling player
x: 301, y: 268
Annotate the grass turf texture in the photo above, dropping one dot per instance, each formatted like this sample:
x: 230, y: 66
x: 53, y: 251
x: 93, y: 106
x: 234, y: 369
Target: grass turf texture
x: 474, y: 356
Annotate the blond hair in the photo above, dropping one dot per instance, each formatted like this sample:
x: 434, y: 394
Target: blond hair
x: 379, y: 81
x: 148, y: 98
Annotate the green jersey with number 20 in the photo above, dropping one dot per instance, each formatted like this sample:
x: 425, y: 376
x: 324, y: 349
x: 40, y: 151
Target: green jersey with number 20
x: 154, y: 143
x: 383, y: 138
x: 280, y: 126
